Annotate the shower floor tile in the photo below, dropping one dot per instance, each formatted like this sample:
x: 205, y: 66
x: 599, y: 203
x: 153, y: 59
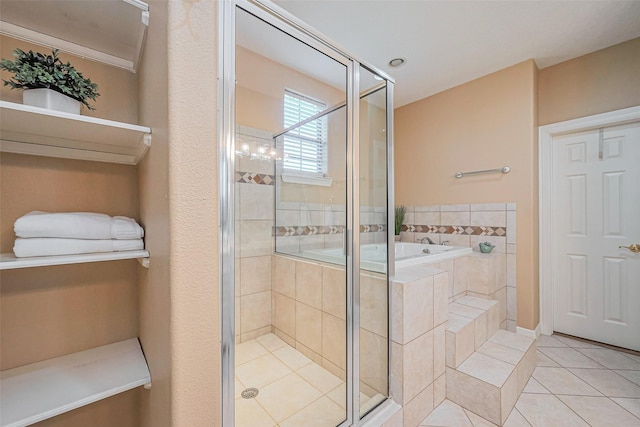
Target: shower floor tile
x: 293, y: 390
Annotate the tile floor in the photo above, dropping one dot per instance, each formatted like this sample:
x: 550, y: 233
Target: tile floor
x: 575, y: 384
x: 293, y: 390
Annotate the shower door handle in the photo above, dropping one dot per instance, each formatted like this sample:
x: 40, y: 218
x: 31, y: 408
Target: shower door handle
x: 345, y: 241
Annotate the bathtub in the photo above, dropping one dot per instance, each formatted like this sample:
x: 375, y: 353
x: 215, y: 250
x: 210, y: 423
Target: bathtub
x: 374, y: 257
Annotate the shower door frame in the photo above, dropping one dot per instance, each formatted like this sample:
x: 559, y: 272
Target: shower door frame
x: 297, y: 29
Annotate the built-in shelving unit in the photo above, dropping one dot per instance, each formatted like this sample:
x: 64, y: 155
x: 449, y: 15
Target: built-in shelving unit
x: 42, y: 132
x: 111, y: 32
x: 8, y: 261
x: 42, y: 390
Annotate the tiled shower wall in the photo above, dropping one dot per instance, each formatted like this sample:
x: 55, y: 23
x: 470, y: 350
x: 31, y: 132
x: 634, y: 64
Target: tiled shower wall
x: 309, y: 313
x: 310, y: 310
x: 254, y: 187
x: 468, y: 225
x: 253, y: 260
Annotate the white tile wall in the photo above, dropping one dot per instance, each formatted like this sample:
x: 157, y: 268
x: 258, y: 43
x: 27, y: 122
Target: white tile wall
x: 511, y: 227
x: 491, y: 218
x: 255, y: 201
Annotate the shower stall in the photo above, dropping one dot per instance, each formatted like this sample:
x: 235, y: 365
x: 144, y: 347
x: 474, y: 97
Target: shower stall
x: 306, y: 192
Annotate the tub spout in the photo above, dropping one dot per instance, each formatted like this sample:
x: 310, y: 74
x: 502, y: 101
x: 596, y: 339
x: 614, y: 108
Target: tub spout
x: 426, y: 239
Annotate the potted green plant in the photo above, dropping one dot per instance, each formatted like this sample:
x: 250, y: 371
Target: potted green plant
x: 400, y: 213
x: 48, y: 82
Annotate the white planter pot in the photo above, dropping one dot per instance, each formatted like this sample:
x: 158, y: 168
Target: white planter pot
x: 47, y: 98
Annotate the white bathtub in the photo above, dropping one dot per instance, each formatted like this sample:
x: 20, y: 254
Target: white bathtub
x: 374, y: 257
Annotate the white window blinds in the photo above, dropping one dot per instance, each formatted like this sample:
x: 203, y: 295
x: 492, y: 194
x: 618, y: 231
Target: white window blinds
x: 305, y: 147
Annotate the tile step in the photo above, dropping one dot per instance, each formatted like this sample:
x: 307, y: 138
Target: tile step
x: 489, y: 382
x: 490, y: 307
x: 471, y: 321
x: 459, y: 340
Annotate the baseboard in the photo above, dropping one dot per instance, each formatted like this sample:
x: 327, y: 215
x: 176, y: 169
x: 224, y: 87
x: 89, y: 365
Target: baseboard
x: 533, y: 333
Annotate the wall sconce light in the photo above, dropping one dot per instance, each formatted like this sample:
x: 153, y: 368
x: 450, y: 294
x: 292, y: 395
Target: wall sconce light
x: 256, y: 151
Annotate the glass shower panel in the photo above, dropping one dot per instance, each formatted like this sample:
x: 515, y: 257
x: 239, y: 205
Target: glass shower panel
x: 374, y: 331
x: 290, y: 172
x: 310, y: 211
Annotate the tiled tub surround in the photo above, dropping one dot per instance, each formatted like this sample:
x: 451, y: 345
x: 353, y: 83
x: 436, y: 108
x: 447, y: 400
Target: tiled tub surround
x: 468, y: 225
x: 487, y: 279
x: 477, y: 275
x: 446, y: 342
x: 418, y: 325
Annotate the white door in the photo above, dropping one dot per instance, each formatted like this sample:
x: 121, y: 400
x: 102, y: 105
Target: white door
x: 596, y: 202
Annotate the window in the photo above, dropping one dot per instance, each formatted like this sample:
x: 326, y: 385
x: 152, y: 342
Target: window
x: 305, y: 147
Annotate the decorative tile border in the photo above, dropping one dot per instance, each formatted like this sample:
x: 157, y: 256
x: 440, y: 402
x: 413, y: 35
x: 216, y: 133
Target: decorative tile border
x: 456, y: 229
x: 372, y: 228
x: 313, y: 230
x: 255, y: 178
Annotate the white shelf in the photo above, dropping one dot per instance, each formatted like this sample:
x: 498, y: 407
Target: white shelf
x: 8, y: 261
x: 111, y: 32
x: 42, y: 390
x: 42, y: 132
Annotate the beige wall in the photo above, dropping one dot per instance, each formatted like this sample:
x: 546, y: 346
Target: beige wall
x: 269, y: 78
x: 53, y: 311
x: 602, y: 81
x: 486, y: 123
x: 193, y: 207
x: 154, y: 284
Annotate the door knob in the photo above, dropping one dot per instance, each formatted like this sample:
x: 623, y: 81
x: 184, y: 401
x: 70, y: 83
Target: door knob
x: 635, y: 248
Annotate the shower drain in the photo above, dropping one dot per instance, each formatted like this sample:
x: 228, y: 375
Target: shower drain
x: 249, y: 393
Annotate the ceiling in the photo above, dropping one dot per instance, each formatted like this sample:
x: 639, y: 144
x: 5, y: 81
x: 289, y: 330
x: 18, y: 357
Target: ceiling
x: 447, y: 43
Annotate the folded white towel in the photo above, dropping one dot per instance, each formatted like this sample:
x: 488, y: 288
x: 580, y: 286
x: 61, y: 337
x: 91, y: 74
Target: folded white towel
x: 53, y: 246
x: 77, y: 225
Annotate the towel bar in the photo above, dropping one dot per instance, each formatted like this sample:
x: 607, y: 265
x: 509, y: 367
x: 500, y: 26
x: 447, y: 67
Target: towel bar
x: 505, y: 169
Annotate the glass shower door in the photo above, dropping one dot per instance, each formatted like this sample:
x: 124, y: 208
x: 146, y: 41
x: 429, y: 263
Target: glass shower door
x: 373, y: 285
x: 291, y: 207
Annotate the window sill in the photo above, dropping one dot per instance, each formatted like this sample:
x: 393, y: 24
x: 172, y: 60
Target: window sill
x: 322, y: 181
